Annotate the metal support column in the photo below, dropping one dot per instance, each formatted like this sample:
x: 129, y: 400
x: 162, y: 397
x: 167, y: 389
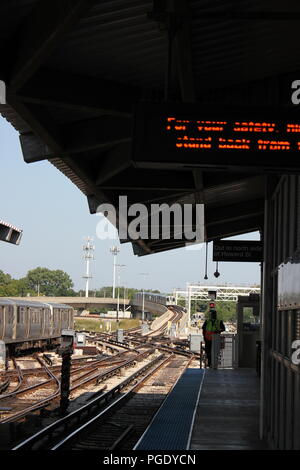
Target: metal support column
x: 266, y: 314
x: 189, y: 305
x: 65, y: 381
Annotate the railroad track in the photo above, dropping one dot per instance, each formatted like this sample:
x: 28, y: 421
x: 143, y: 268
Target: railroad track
x: 20, y: 396
x: 161, y: 343
x: 158, y: 342
x: 29, y: 397
x: 36, y: 388
x: 108, y: 422
x: 177, y: 315
x: 100, y: 376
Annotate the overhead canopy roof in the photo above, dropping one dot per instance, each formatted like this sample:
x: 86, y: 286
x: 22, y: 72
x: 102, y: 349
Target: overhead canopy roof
x: 75, y: 69
x: 9, y: 233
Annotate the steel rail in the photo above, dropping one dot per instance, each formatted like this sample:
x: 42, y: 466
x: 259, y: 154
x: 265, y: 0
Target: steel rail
x: 25, y: 390
x: 113, y: 406
x: 4, y: 386
x: 76, y: 415
x: 40, y: 403
x: 20, y: 380
x: 100, y: 377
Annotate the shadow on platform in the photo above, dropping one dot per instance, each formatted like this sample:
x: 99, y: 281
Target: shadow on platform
x: 227, y: 417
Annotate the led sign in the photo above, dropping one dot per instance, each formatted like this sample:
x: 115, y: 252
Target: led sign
x: 180, y: 135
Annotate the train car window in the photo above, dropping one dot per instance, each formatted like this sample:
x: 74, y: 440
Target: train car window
x: 47, y: 315
x: 70, y: 318
x: 35, y: 315
x: 64, y: 314
x: 21, y: 314
x: 32, y: 315
x: 10, y: 314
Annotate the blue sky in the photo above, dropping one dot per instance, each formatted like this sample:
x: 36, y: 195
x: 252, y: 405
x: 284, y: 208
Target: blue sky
x: 54, y: 216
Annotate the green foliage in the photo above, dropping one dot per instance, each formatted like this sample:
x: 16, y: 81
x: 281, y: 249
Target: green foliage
x: 199, y: 306
x: 5, y: 279
x: 226, y: 311
x: 93, y: 324
x: 10, y: 287
x: 248, y: 315
x: 55, y: 283
x: 49, y: 282
x: 107, y: 291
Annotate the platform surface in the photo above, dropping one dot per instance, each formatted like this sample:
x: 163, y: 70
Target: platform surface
x: 227, y: 416
x: 170, y: 428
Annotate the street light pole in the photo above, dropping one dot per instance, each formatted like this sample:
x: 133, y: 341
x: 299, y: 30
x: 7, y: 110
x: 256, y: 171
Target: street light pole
x: 114, y: 251
x: 189, y: 305
x: 143, y: 308
x: 124, y: 301
x: 118, y: 308
x: 118, y: 304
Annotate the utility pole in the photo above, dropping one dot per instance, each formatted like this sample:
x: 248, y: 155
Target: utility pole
x: 124, y: 301
x: 88, y: 249
x: 114, y: 251
x: 118, y: 305
x: 118, y: 308
x: 143, y: 302
x: 189, y: 298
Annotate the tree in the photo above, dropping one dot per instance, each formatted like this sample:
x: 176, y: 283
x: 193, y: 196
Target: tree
x: 226, y: 310
x: 4, y: 279
x: 10, y: 287
x: 49, y: 282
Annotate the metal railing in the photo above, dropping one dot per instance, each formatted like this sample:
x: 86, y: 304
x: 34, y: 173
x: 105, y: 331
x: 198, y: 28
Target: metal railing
x: 224, y: 352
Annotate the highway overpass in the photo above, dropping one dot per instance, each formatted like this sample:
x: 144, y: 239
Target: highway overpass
x: 81, y: 303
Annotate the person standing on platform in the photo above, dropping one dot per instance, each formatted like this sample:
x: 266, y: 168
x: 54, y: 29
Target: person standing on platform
x: 212, y: 326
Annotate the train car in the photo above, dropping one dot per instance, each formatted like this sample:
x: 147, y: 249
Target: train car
x: 25, y: 324
x: 171, y: 300
x: 157, y: 298
x: 149, y: 297
x: 198, y: 317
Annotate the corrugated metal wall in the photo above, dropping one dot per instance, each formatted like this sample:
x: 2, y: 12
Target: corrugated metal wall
x: 281, y: 317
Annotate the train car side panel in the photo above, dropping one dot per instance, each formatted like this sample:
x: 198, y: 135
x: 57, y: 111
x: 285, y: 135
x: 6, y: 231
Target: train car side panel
x: 22, y: 320
x: 9, y: 320
x: 1, y: 322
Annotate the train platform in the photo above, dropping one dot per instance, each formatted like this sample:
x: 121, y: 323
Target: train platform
x: 171, y: 427
x: 227, y: 416
x: 208, y: 410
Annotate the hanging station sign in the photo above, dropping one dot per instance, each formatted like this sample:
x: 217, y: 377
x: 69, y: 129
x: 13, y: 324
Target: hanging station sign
x: 237, y: 250
x: 181, y: 135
